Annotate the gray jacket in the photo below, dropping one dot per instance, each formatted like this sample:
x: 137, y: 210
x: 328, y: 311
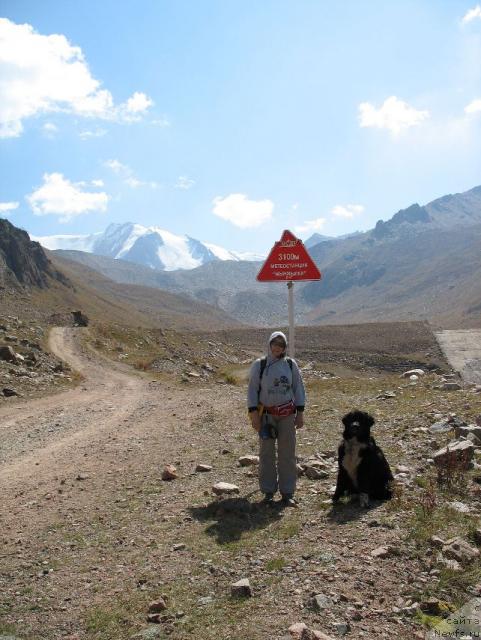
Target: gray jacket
x: 278, y: 385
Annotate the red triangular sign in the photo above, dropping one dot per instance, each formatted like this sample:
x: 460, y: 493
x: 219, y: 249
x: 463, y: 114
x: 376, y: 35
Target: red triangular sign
x: 288, y: 261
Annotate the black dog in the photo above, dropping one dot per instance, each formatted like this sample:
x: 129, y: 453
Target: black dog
x: 363, y: 468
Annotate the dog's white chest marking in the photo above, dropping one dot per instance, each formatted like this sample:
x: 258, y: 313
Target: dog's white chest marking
x: 352, y: 458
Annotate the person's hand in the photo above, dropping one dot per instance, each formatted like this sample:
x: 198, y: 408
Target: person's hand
x: 299, y: 421
x: 255, y: 420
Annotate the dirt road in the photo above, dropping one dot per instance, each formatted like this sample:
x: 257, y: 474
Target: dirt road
x: 462, y: 348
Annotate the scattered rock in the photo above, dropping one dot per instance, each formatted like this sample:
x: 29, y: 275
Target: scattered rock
x: 179, y: 547
x: 402, y: 469
x: 342, y: 628
x: 464, y: 430
x: 157, y: 606
x: 460, y: 507
x: 320, y: 602
x: 432, y: 606
x: 460, y: 550
x: 203, y: 468
x: 169, y: 472
x: 224, y: 488
x: 413, y: 372
x: 315, y: 472
x: 380, y: 552
x: 9, y: 393
x: 241, y: 589
x: 386, y: 395
x: 458, y: 453
x: 248, y: 461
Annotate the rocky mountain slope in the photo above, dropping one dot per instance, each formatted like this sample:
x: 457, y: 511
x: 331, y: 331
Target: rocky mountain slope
x: 36, y: 286
x: 423, y: 263
x: 22, y: 262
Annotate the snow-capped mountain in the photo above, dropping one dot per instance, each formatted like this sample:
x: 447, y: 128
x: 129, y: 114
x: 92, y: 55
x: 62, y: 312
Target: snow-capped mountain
x: 150, y: 246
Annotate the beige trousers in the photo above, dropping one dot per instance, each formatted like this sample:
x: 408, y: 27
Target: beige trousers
x: 279, y: 471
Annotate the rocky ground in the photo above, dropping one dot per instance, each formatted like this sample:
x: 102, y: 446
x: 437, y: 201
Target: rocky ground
x: 95, y: 544
x: 27, y: 368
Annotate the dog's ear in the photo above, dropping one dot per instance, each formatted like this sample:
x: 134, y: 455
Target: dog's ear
x: 369, y: 420
x: 347, y: 419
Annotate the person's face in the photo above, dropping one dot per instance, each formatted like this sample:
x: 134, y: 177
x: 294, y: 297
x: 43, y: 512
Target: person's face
x: 278, y: 346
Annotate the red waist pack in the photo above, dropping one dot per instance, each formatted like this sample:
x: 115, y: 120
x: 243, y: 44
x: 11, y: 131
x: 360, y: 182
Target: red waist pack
x: 282, y: 410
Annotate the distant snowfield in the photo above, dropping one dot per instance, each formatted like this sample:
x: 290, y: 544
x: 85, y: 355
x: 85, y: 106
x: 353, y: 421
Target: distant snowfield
x: 150, y: 246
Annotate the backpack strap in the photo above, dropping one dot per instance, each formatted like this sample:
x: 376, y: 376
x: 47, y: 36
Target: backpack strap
x: 261, y: 371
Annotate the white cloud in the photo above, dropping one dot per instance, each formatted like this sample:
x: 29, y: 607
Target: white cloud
x: 59, y: 196
x: 6, y: 207
x: 347, y: 211
x: 44, y: 74
x: 97, y: 183
x: 96, y: 133
x: 138, y: 103
x: 118, y: 167
x: 472, y: 14
x: 311, y: 226
x: 473, y: 107
x: 185, y: 183
x: 241, y: 211
x: 128, y: 175
x: 394, y: 115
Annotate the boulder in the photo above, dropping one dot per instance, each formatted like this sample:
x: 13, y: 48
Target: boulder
x: 459, y: 454
x: 248, y: 461
x: 460, y: 550
x: 169, y: 472
x: 320, y: 602
x: 224, y: 488
x: 241, y: 589
x: 157, y: 606
x: 203, y: 468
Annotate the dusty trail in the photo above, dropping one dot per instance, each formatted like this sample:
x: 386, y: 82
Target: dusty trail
x: 98, y: 429
x: 41, y: 432
x: 462, y: 348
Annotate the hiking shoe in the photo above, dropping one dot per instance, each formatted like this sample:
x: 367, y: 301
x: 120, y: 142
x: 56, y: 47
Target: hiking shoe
x: 268, y: 499
x: 288, y: 500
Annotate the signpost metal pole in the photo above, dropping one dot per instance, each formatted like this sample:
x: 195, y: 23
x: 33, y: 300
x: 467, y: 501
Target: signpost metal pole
x: 288, y: 261
x: 292, y: 338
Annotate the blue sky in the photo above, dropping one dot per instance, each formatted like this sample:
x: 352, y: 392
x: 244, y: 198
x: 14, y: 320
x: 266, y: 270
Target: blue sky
x: 230, y: 121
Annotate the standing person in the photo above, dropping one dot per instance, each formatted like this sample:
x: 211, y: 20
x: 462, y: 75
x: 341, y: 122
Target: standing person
x: 276, y: 383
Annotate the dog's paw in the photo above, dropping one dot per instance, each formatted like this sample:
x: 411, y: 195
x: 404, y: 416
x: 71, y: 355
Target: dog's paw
x: 364, y: 499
